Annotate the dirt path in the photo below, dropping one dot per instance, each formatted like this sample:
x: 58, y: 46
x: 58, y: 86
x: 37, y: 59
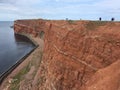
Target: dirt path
x: 24, y: 74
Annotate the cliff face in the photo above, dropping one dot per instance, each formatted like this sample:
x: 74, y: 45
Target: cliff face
x: 76, y: 53
x: 33, y: 27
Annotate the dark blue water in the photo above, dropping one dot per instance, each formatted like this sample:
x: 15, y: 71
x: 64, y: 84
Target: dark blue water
x: 12, y: 47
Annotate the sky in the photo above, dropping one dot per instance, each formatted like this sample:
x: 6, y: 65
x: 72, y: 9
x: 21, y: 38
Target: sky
x: 11, y: 10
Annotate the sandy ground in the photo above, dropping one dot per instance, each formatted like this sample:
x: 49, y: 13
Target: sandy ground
x: 7, y: 82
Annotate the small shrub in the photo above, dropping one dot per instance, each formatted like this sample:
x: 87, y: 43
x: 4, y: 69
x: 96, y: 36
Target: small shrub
x: 42, y: 34
x: 71, y: 21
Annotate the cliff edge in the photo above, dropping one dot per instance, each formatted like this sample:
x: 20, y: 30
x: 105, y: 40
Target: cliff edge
x: 78, y: 55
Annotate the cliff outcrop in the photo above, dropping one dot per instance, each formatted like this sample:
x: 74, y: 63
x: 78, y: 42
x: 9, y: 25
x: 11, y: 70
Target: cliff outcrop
x: 78, y: 55
x: 33, y: 27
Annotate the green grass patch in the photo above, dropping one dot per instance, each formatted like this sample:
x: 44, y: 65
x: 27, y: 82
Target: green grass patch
x: 42, y: 34
x: 71, y: 21
x: 92, y: 25
x: 37, y: 63
x: 18, y: 78
x: 36, y: 60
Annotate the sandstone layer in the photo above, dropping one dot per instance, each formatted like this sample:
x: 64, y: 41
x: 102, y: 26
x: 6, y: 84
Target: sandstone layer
x: 78, y: 55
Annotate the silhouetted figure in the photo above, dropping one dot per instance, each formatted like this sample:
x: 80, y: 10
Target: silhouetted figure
x: 100, y: 19
x: 112, y: 19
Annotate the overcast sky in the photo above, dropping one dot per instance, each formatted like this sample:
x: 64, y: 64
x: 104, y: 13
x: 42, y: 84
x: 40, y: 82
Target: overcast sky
x: 59, y: 9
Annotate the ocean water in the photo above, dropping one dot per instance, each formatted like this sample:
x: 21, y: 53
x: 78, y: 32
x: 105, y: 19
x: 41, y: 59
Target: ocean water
x: 12, y: 47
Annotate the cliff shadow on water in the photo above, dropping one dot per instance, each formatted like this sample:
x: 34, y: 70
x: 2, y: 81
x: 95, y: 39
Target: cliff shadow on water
x: 20, y: 38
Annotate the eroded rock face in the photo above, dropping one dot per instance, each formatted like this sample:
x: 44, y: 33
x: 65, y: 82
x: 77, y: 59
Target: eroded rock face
x: 105, y: 79
x: 33, y: 27
x: 74, y: 54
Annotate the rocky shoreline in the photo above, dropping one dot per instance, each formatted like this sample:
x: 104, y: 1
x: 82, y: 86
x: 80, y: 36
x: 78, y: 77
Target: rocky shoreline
x: 7, y: 83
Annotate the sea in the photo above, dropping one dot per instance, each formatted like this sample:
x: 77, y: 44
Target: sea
x: 12, y: 47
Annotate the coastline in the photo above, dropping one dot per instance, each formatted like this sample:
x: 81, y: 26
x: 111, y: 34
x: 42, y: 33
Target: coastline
x: 7, y: 72
x: 5, y: 85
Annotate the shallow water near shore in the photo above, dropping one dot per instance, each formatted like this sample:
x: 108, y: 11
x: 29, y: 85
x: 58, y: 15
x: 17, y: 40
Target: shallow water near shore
x: 12, y: 47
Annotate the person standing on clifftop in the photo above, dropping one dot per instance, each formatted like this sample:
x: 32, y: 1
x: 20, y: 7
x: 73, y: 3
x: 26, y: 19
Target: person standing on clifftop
x: 100, y: 19
x: 112, y: 19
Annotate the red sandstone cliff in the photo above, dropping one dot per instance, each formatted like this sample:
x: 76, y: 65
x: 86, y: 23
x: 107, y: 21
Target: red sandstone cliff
x: 78, y: 55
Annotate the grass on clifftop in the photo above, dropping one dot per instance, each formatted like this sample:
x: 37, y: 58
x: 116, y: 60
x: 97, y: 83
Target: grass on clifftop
x: 92, y: 25
x: 18, y: 78
x: 71, y: 21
